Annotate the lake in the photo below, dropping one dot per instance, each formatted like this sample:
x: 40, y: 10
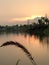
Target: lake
x: 38, y: 48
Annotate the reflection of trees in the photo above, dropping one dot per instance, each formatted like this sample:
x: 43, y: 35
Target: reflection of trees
x: 44, y: 40
x: 47, y: 42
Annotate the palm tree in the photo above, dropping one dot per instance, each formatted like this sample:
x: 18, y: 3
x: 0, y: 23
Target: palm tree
x: 45, y: 19
x: 40, y: 21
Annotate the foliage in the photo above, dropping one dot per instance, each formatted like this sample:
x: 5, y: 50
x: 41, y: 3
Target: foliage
x: 40, y: 28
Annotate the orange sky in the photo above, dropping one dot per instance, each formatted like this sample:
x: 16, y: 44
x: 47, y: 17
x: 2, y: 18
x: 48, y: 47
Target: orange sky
x: 11, y: 10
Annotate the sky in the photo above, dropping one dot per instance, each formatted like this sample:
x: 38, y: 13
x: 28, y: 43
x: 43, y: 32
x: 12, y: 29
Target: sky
x: 19, y: 10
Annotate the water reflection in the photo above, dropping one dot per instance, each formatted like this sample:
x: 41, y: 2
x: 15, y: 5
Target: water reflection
x: 22, y: 47
x: 44, y: 40
x: 38, y: 46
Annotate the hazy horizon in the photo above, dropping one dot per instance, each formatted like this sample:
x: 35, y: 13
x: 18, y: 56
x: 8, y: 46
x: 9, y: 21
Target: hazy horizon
x: 12, y: 11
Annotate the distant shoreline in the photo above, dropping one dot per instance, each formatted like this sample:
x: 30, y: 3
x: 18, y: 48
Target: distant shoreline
x: 40, y: 28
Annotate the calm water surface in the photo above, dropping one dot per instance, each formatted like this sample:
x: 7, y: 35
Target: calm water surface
x: 39, y: 48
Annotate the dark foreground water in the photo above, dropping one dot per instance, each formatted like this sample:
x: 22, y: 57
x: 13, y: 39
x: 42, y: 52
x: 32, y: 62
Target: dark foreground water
x: 39, y: 49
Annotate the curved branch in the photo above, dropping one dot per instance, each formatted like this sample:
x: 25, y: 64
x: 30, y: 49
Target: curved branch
x: 22, y: 47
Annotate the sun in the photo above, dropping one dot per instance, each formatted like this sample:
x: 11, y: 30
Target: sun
x: 34, y: 16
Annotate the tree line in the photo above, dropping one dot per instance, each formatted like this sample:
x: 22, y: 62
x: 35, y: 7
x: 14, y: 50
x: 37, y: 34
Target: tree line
x: 40, y: 28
